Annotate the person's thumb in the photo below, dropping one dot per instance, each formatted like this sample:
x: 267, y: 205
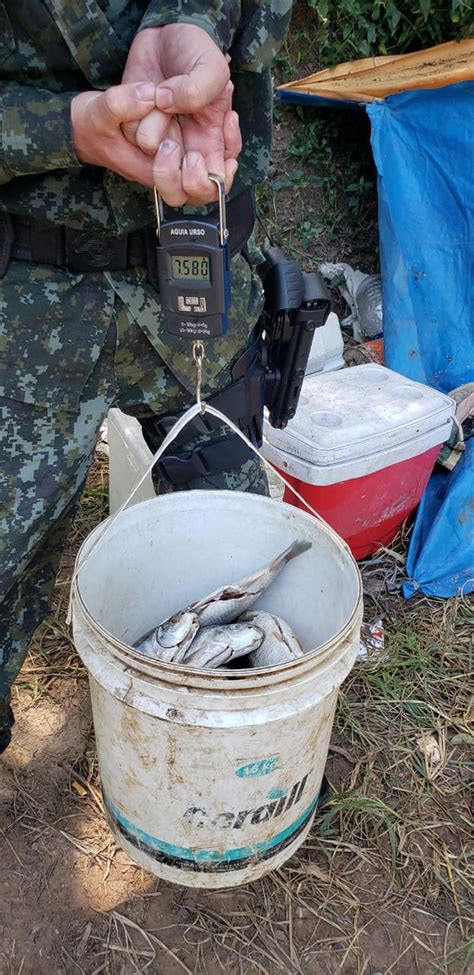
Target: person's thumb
x: 124, y: 103
x: 187, y: 94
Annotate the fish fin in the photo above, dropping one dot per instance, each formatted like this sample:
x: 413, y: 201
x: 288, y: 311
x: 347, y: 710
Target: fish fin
x: 225, y: 593
x: 221, y: 656
x: 295, y: 648
x: 295, y: 549
x: 183, y: 648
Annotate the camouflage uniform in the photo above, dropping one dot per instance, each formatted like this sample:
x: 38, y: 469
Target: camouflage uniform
x: 72, y: 345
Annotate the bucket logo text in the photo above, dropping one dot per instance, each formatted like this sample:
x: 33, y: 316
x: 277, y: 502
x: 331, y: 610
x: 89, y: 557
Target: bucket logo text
x: 262, y: 766
x: 201, y: 817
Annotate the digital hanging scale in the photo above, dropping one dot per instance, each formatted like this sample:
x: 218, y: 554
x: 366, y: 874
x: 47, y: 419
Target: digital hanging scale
x: 194, y: 270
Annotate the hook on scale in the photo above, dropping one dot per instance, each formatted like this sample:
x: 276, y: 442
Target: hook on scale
x: 198, y: 356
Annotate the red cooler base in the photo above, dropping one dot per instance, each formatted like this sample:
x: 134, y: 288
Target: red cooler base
x: 368, y: 511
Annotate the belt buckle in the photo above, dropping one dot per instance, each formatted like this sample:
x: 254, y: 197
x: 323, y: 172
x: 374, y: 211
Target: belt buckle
x: 92, y: 251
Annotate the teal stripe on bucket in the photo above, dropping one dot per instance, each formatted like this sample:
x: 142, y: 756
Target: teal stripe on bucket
x: 209, y: 856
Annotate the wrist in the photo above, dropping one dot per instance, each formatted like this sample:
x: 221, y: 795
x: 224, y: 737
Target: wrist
x: 81, y: 130
x: 173, y: 20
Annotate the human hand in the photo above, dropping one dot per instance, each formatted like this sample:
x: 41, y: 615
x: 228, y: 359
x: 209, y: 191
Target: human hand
x: 193, y: 131
x: 96, y: 119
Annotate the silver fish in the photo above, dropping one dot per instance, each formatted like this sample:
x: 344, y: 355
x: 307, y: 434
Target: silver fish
x: 280, y: 644
x: 171, y: 637
x: 224, y: 605
x: 217, y: 645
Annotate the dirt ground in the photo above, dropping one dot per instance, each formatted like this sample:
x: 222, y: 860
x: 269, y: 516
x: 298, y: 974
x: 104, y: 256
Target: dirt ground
x: 381, y: 887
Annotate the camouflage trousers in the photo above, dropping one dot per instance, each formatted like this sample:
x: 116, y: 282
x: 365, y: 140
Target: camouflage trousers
x: 72, y: 346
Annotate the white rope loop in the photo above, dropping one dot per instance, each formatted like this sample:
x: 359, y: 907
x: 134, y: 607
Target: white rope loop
x: 180, y: 424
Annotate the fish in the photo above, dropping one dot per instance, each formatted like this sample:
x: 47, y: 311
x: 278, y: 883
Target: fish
x: 280, y: 643
x: 215, y: 646
x: 172, y: 636
x: 227, y: 603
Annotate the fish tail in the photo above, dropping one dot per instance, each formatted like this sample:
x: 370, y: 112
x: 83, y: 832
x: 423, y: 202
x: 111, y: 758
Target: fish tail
x: 297, y: 548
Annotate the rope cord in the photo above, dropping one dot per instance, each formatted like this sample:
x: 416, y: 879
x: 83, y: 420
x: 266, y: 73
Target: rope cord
x: 180, y: 424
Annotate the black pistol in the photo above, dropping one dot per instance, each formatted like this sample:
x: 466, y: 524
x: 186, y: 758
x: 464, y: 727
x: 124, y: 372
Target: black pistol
x: 296, y: 303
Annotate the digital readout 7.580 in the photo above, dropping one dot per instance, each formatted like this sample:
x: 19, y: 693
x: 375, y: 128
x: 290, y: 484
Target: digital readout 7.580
x: 192, y: 268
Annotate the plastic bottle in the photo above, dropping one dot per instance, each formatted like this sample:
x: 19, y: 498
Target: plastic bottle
x: 369, y: 302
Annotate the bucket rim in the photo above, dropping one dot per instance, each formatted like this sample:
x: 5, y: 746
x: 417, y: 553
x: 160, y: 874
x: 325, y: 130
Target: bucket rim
x: 200, y: 677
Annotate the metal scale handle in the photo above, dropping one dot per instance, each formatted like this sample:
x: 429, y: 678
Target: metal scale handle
x: 223, y: 231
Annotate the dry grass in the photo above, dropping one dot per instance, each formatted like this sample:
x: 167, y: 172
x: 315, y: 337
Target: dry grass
x: 384, y: 883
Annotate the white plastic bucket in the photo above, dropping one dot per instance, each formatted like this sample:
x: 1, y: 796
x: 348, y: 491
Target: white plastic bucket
x: 210, y: 781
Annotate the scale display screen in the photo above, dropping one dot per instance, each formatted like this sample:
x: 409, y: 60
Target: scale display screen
x: 190, y: 268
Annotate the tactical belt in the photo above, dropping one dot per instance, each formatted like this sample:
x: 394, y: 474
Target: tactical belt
x: 242, y: 402
x: 26, y: 239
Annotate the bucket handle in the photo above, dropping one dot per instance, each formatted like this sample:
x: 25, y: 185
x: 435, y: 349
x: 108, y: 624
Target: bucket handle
x: 199, y: 407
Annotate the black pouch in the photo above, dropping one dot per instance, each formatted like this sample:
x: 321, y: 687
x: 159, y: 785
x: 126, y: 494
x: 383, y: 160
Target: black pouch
x: 151, y: 253
x: 6, y: 240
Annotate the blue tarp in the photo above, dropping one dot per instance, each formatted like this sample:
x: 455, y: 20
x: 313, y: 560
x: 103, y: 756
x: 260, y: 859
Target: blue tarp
x: 441, y: 555
x: 423, y: 145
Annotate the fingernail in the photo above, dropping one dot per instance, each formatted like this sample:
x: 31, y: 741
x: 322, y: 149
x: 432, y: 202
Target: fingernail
x: 235, y: 119
x: 168, y: 147
x: 146, y: 91
x: 192, y: 159
x: 164, y: 98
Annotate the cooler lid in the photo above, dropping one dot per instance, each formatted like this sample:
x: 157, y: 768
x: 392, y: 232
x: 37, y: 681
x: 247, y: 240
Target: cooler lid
x: 359, y: 411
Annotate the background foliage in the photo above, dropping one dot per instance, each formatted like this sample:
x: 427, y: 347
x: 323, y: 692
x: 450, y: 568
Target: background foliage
x: 321, y: 195
x: 348, y: 29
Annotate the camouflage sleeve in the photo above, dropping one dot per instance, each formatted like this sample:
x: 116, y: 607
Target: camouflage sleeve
x: 251, y: 30
x: 219, y: 18
x: 262, y: 28
x: 35, y: 131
